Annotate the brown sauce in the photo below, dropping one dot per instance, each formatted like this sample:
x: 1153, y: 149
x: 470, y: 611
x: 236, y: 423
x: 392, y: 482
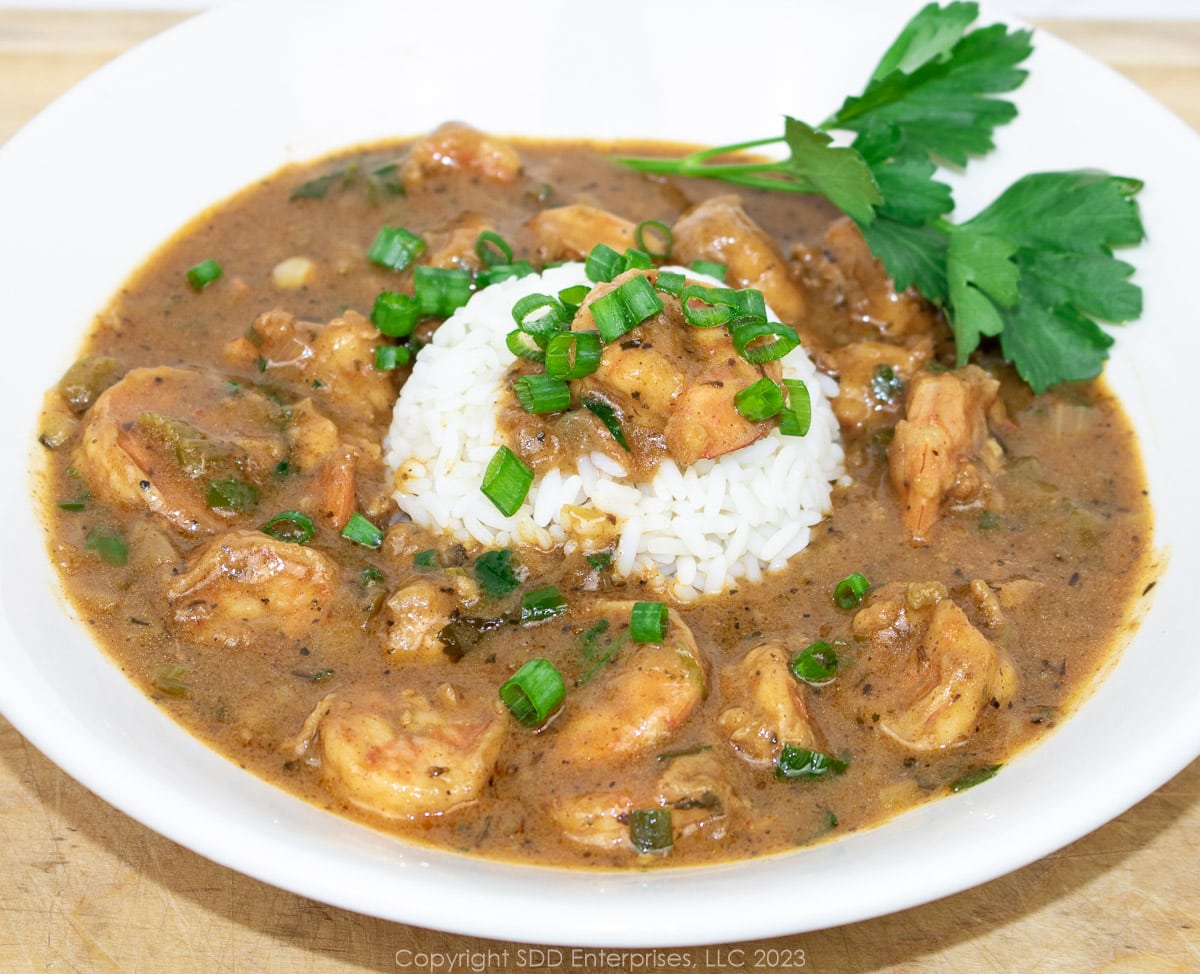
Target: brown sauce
x: 1047, y: 564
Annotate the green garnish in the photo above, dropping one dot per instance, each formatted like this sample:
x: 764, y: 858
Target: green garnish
x: 573, y: 354
x: 295, y: 527
x: 203, y: 274
x: 540, y: 393
x: 492, y: 249
x: 440, y: 291
x: 506, y: 481
x: 542, y: 604
x: 795, y: 763
x: 759, y: 401
x: 650, y: 829
x: 534, y: 692
x: 817, y: 663
x: 395, y: 247
x: 975, y: 776
x: 851, y: 590
x: 495, y: 573
x: 607, y: 414
x: 657, y: 229
x: 426, y: 559
x: 111, y: 548
x: 361, y: 531
x: 796, y: 418
x: 622, y: 310
x: 1034, y: 270
x: 230, y: 496
x: 648, y: 622
x: 395, y: 314
x: 390, y: 357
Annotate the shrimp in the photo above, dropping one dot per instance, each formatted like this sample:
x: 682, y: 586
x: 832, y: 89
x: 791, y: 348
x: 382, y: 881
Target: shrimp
x: 636, y: 702
x: 720, y: 230
x: 938, y: 447
x: 692, y: 788
x: 844, y: 263
x: 455, y: 147
x: 772, y: 710
x: 404, y: 754
x: 569, y: 232
x: 415, y: 614
x: 929, y: 670
x: 676, y: 381
x: 159, y: 436
x: 871, y: 376
x: 331, y: 363
x: 247, y: 585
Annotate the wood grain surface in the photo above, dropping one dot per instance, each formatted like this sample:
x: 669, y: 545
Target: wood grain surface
x: 86, y: 889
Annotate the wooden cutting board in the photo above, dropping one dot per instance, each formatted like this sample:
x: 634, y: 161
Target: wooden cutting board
x: 87, y: 889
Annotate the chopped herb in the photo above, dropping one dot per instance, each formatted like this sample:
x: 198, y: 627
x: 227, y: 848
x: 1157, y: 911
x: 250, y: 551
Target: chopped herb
x: 851, y: 590
x: 230, y: 496
x: 110, y: 547
x: 795, y: 763
x: 534, y: 692
x: 395, y: 247
x: 542, y: 604
x: 361, y: 531
x: 650, y: 830
x: 426, y: 559
x: 496, y: 574
x: 172, y: 680
x: 976, y: 776
x: 295, y: 527
x: 817, y: 663
x: 203, y: 274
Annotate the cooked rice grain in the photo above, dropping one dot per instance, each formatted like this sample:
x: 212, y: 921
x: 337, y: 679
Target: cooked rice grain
x: 690, y: 532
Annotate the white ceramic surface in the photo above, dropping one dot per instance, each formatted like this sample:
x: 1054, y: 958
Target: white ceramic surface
x: 99, y: 179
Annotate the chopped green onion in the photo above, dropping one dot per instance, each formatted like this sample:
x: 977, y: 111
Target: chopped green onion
x: 624, y: 309
x: 573, y: 297
x: 506, y: 481
x: 230, y: 496
x: 634, y: 258
x: 650, y: 829
x: 426, y: 559
x: 662, y: 231
x: 524, y: 345
x: 541, y: 316
x: 603, y: 263
x: 885, y: 384
x: 759, y: 401
x: 172, y: 681
x: 534, y: 692
x: 851, y: 590
x: 750, y: 301
x: 370, y: 576
x: 110, y: 547
x: 295, y: 527
x: 78, y: 504
x: 542, y: 604
x: 599, y: 560
x: 503, y: 272
x: 795, y: 763
x: 395, y: 247
x: 389, y: 357
x: 573, y: 354
x: 976, y: 776
x: 648, y: 622
x: 796, y: 419
x: 203, y: 274
x: 670, y: 282
x: 988, y: 520
x: 361, y: 531
x: 440, y: 291
x: 539, y: 393
x: 702, y: 307
x: 710, y: 267
x: 492, y: 249
x: 395, y: 314
x: 759, y: 341
x: 495, y: 573
x: 608, y: 416
x: 816, y: 664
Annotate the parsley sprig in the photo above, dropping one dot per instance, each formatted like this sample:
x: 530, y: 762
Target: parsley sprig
x: 1034, y: 270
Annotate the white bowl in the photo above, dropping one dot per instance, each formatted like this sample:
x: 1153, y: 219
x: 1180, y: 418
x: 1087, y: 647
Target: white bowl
x: 92, y: 185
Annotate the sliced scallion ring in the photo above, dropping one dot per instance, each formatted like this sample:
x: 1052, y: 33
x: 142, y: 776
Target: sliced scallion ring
x: 389, y: 357
x: 670, y: 282
x: 851, y: 590
x: 573, y: 354
x: 203, y: 274
x: 603, y: 264
x: 506, y: 481
x: 295, y: 527
x: 361, y: 531
x: 758, y: 340
x: 395, y: 314
x: 759, y: 401
x: 658, y: 229
x: 710, y: 267
x: 648, y: 622
x: 540, y: 393
x: 524, y: 345
x: 395, y: 247
x: 817, y: 663
x: 492, y: 249
x: 230, y: 496
x: 796, y: 419
x: 534, y: 692
x: 503, y: 272
x: 607, y: 414
x: 622, y: 310
x: 701, y: 307
x: 440, y: 291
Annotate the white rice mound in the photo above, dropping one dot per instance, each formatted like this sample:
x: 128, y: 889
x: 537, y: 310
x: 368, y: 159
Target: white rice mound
x: 689, y: 532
